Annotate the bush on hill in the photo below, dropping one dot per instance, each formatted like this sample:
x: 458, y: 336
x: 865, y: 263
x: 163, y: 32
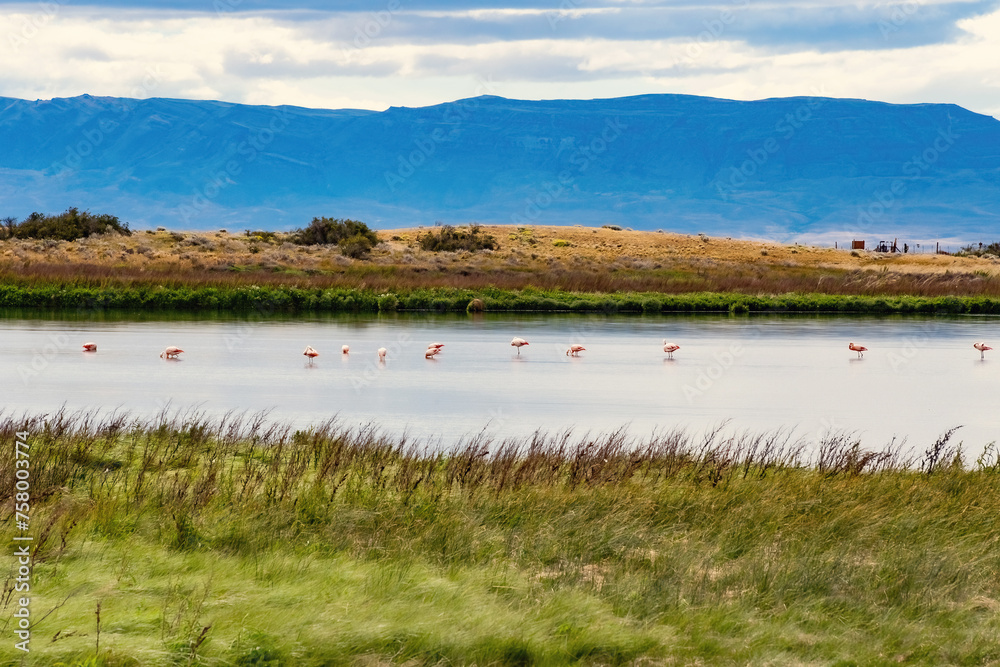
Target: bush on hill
x: 68, y: 226
x: 332, y: 231
x: 451, y: 239
x: 355, y: 239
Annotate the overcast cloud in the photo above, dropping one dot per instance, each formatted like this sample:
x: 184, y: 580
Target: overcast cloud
x: 400, y: 53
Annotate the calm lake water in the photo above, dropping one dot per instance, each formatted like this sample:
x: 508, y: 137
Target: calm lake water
x: 920, y: 377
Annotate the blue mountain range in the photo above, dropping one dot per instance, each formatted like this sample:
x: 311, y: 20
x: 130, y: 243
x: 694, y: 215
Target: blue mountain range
x: 780, y: 168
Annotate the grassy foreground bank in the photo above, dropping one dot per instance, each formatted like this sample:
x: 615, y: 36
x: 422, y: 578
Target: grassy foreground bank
x: 266, y: 300
x: 237, y: 541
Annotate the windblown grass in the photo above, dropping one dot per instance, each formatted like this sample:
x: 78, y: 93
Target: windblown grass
x: 239, y: 541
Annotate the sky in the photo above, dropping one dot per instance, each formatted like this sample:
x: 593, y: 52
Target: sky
x: 372, y: 55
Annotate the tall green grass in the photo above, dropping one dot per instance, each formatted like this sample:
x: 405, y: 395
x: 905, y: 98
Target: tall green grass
x: 285, y: 299
x: 241, y: 541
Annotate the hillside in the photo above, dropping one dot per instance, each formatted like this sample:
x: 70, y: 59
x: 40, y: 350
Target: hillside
x: 795, y: 168
x: 572, y: 258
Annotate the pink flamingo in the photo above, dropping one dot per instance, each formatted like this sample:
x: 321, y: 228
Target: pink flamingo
x: 345, y: 349
x: 381, y: 353
x: 171, y: 352
x: 436, y: 346
x: 311, y: 353
x: 982, y: 347
x: 670, y: 348
x: 860, y: 349
x: 575, y: 350
x: 519, y: 343
x: 90, y: 347
x: 432, y: 352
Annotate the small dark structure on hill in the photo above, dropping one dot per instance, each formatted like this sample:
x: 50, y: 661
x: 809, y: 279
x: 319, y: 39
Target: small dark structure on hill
x: 885, y: 246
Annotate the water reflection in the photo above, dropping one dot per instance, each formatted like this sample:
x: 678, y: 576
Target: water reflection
x: 920, y: 376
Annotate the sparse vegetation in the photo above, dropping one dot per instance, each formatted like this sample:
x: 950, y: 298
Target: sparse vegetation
x: 452, y: 239
x: 68, y: 226
x: 261, y: 235
x: 980, y: 250
x: 634, y: 271
x: 238, y: 541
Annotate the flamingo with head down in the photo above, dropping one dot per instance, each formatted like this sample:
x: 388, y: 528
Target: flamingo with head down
x: 90, y: 347
x: 575, y: 350
x: 345, y: 349
x: 171, y: 352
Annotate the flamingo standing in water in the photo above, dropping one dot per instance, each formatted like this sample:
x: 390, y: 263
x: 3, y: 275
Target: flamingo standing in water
x: 432, y: 352
x: 311, y: 353
x: 575, y: 350
x: 670, y: 348
x: 171, y: 352
x: 381, y: 353
x: 519, y: 343
x: 345, y: 349
x: 982, y: 347
x: 92, y: 347
x: 860, y: 349
x: 436, y: 346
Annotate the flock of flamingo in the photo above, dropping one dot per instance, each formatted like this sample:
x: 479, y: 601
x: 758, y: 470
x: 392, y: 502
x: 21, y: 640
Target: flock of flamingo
x: 434, y: 349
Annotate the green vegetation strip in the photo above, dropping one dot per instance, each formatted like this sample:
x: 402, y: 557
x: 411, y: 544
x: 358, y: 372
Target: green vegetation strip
x: 267, y: 299
x: 235, y: 541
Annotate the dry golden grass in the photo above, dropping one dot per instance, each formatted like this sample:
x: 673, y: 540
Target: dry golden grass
x: 572, y: 258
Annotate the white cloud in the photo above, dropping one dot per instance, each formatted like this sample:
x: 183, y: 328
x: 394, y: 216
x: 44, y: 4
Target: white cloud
x: 282, y: 58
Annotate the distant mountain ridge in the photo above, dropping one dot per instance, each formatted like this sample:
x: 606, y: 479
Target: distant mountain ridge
x: 781, y: 168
